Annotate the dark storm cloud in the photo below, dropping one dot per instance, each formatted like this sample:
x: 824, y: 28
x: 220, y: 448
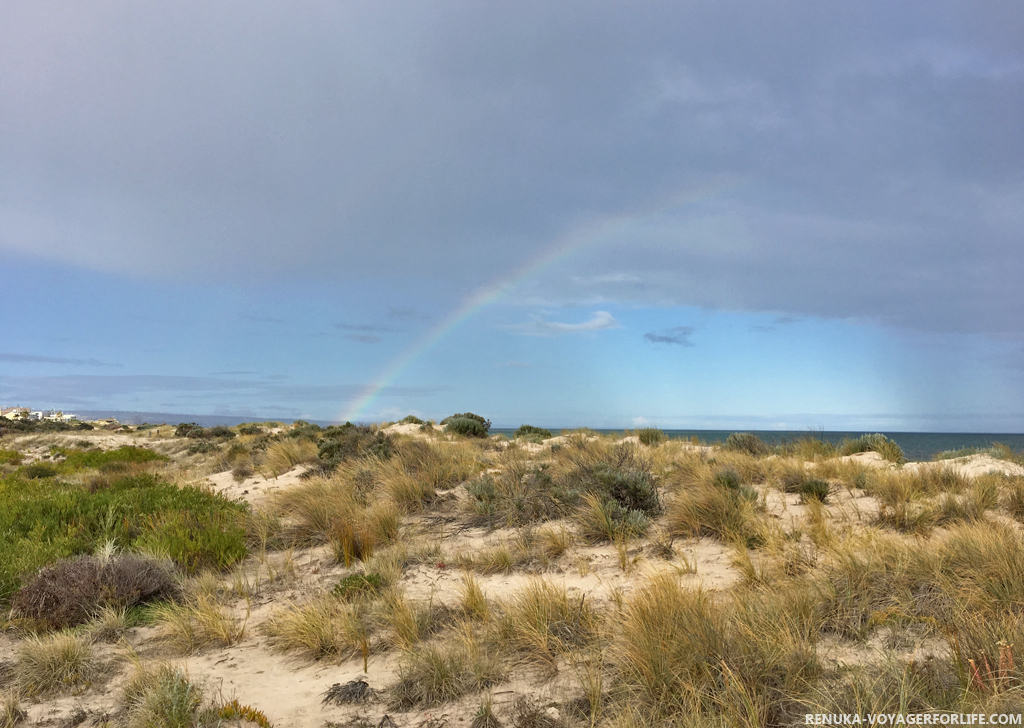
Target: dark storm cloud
x: 875, y: 149
x: 679, y: 335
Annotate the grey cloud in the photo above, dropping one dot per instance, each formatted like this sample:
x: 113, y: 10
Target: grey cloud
x: 364, y: 338
x: 876, y: 148
x: 679, y: 335
x: 35, y: 359
x: 363, y: 327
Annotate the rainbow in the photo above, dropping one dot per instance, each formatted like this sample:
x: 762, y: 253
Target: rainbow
x: 572, y: 242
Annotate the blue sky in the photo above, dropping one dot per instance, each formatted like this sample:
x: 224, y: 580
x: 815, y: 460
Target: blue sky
x: 712, y: 216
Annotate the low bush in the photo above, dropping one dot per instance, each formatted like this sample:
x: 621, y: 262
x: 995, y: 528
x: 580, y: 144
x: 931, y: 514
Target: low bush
x: 351, y: 441
x: 72, y: 591
x: 189, y: 429
x: 531, y: 431
x: 651, y: 436
x: 79, y: 459
x: 39, y: 470
x: 466, y: 427
x: 411, y: 420
x: 814, y: 489
x: 10, y: 457
x: 746, y: 442
x: 601, y: 519
x: 878, y: 443
x: 165, y: 697
x: 355, y: 585
x: 250, y: 429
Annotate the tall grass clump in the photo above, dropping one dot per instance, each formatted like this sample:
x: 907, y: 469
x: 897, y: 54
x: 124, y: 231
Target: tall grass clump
x: 651, y: 436
x: 283, y: 455
x: 197, y: 622
x: 746, y: 442
x: 165, y: 697
x: 11, y: 712
x: 437, y: 673
x: 323, y: 627
x: 600, y: 519
x: 54, y: 663
x: 542, y: 621
x: 720, y: 507
x: 878, y: 443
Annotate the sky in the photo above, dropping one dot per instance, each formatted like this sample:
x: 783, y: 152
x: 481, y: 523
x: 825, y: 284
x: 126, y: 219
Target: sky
x: 719, y: 214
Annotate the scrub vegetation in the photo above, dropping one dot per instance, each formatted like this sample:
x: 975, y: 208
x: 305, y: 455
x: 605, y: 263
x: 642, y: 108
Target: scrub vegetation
x: 569, y: 580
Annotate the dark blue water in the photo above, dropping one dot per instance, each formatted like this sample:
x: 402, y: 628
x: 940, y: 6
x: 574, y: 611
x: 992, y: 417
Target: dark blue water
x: 916, y: 445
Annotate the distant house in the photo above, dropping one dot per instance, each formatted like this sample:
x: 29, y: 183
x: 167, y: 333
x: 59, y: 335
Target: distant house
x: 37, y: 415
x: 14, y: 413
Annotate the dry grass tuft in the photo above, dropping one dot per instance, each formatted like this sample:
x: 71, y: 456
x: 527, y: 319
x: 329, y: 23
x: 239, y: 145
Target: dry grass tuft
x: 323, y: 627
x: 437, y: 673
x: 542, y: 621
x: 285, y: 454
x: 198, y: 622
x: 54, y: 663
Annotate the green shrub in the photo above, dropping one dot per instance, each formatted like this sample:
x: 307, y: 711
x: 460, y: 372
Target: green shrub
x: 356, y: 584
x: 746, y: 442
x: 39, y: 470
x: 351, y: 441
x: 189, y: 429
x: 873, y: 443
x: 97, y: 458
x: 814, y: 489
x: 220, y: 431
x: 411, y: 420
x: 651, y: 436
x: 527, y: 430
x: 466, y: 427
x: 43, y: 521
x: 202, y: 446
x: 486, y: 424
x: 10, y: 457
x: 727, y: 478
x: 250, y: 429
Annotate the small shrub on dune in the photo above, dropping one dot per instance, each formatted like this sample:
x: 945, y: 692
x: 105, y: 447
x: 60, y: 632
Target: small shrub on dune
x: 36, y: 471
x: 71, y: 591
x: 746, y: 442
x: 467, y: 416
x: 600, y: 519
x: 54, y: 663
x: 651, y: 436
x: 189, y: 429
x: 532, y: 432
x: 878, y: 443
x: 466, y: 427
x: 411, y: 420
x: 814, y: 489
x: 338, y: 444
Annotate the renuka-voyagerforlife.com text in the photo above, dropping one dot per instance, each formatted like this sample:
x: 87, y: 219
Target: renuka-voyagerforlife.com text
x: 912, y: 719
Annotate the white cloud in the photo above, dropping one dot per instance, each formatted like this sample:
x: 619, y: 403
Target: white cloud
x: 598, y: 321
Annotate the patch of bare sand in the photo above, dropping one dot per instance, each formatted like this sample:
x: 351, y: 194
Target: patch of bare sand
x: 254, y: 489
x: 972, y: 466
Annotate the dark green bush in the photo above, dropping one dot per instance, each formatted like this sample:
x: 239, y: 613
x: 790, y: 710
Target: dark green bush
x: 410, y: 420
x: 189, y: 429
x: 814, y: 489
x: 220, y: 431
x: 651, y: 436
x: 39, y: 470
x: 308, y: 430
x: 468, y: 416
x: 727, y: 478
x: 344, y: 442
x: 202, y: 447
x: 250, y: 429
x: 466, y: 426
x: 746, y: 442
x: 357, y: 584
x: 527, y: 430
